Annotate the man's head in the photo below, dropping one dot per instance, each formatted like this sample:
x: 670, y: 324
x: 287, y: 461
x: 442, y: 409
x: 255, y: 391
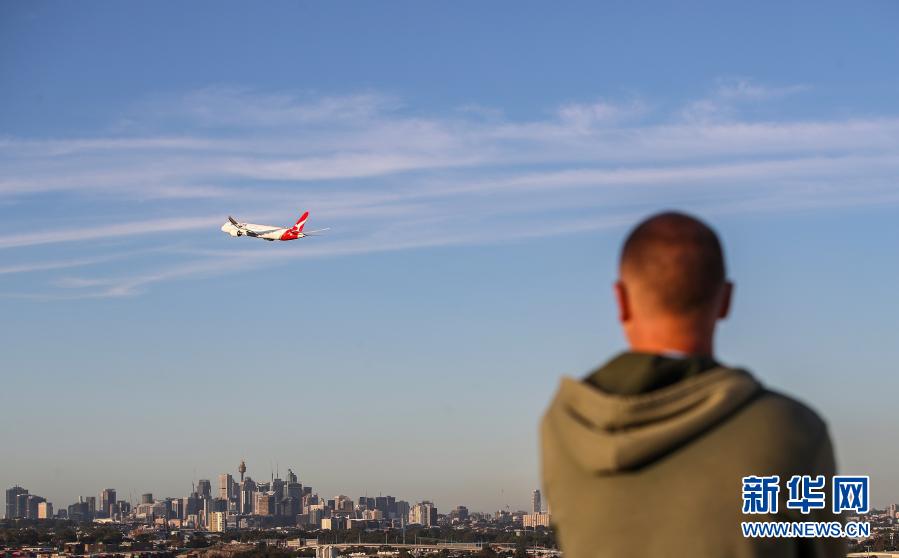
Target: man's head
x: 672, y: 285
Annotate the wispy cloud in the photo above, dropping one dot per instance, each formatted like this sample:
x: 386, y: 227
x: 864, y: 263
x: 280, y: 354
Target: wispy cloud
x: 730, y: 93
x: 747, y: 89
x: 113, y: 230
x: 231, y: 106
x: 585, y: 117
x: 48, y: 266
x: 385, y: 177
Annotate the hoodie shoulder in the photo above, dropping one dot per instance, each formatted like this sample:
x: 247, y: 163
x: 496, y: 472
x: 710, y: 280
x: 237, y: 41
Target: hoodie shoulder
x: 782, y: 432
x: 771, y: 406
x: 606, y: 433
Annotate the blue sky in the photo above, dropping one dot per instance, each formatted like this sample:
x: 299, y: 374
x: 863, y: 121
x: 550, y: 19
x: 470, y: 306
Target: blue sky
x: 479, y: 165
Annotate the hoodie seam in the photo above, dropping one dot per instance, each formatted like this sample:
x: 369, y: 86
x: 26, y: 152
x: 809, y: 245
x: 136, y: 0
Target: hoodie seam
x: 667, y: 394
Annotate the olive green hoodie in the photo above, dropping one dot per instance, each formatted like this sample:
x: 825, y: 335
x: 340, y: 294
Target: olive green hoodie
x: 658, y: 471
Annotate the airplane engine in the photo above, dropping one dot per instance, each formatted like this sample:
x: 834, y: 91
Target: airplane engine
x: 234, y: 233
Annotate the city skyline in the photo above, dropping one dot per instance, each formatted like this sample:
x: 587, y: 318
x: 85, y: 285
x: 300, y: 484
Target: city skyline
x: 227, y: 503
x: 219, y: 487
x: 479, y: 165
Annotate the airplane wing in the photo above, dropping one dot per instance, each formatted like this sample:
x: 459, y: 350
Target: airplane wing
x: 256, y: 232
x: 241, y: 227
x: 248, y: 231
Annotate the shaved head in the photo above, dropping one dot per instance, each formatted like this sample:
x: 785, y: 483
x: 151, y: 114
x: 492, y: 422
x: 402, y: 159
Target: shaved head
x: 676, y: 262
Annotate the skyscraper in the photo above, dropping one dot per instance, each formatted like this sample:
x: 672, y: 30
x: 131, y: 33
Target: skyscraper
x: 176, y: 506
x: 190, y: 505
x: 381, y: 504
x: 293, y: 496
x: 204, y: 488
x: 45, y: 510
x: 32, y: 503
x: 12, y: 508
x: 247, y: 492
x: 536, y: 502
x: 278, y: 490
x: 217, y: 521
x: 402, y: 510
x: 22, y: 505
x: 264, y: 503
x: 219, y: 505
x: 424, y: 514
x: 122, y: 508
x: 107, y: 499
x: 225, y: 482
x: 80, y: 511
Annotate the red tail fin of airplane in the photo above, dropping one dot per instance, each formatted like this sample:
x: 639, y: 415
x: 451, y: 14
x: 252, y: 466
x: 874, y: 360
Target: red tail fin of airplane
x: 301, y: 222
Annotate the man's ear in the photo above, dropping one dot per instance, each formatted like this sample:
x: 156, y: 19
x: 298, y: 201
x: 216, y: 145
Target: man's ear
x: 621, y: 298
x: 726, y: 295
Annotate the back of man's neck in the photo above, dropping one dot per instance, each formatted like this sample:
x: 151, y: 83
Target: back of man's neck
x: 674, y: 349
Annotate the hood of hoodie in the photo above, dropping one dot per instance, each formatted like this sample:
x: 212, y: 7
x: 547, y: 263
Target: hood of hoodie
x: 606, y: 433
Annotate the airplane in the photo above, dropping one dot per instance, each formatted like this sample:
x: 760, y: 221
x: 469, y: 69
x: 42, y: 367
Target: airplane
x: 270, y: 233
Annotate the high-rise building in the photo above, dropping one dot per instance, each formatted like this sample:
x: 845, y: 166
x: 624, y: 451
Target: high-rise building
x: 106, y: 500
x: 219, y: 504
x: 278, y: 489
x: 204, y: 488
x: 291, y: 507
x: 91, y: 502
x: 32, y: 503
x: 372, y: 515
x: 22, y: 505
x: 342, y: 503
x: 424, y: 514
x: 242, y: 468
x: 402, y: 510
x: 536, y: 502
x: 122, y: 508
x: 190, y: 505
x: 176, y: 507
x: 160, y: 510
x: 313, y: 517
x: 225, y: 483
x: 294, y: 490
x: 80, y: 511
x: 537, y: 519
x: 460, y: 513
x: 45, y: 510
x: 12, y: 508
x: 381, y: 504
x: 247, y: 492
x: 146, y: 498
x: 292, y: 504
x: 217, y: 521
x: 264, y: 503
x: 333, y: 523
x: 366, y: 503
x: 144, y: 511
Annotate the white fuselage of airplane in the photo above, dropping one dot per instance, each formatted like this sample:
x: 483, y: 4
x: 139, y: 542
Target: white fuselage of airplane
x: 267, y: 232
x: 259, y: 231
